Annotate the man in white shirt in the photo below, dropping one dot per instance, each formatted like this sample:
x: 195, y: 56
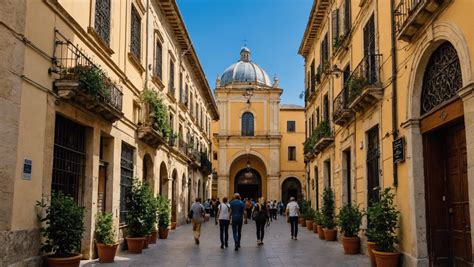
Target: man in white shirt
x: 292, y: 213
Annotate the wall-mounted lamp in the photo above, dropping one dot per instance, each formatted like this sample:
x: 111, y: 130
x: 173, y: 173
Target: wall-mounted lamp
x: 334, y: 70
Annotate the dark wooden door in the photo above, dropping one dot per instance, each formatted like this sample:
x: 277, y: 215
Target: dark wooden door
x: 373, y: 165
x: 447, y: 199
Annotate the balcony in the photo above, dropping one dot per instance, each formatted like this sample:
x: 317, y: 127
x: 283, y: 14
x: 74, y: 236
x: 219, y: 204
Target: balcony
x: 342, y: 114
x: 412, y: 15
x: 364, y: 85
x: 148, y: 130
x: 195, y: 157
x: 83, y: 82
x: 321, y: 138
x: 206, y: 165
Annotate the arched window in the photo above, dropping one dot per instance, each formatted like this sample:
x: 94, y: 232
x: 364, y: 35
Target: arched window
x: 247, y: 124
x: 442, y: 78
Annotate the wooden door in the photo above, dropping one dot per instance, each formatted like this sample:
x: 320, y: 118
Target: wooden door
x: 373, y: 165
x: 447, y: 200
x: 102, y: 188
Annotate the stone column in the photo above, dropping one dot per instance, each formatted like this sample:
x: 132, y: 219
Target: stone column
x: 222, y: 186
x: 467, y: 95
x: 273, y: 187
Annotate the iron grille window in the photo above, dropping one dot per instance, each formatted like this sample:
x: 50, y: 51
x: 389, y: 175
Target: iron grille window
x: 291, y: 126
x: 126, y: 176
x: 68, y: 157
x: 335, y: 25
x: 369, y: 51
x: 347, y: 16
x: 181, y: 86
x: 247, y: 124
x: 158, y: 60
x: 324, y: 51
x: 373, y: 154
x: 102, y: 19
x: 442, y: 78
x: 171, y: 81
x: 345, y: 76
x: 135, y: 39
x: 326, y: 107
x: 291, y: 153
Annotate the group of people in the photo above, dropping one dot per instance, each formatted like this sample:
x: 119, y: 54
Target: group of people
x: 236, y: 212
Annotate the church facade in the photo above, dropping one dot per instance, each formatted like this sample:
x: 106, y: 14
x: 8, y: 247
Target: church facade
x: 257, y: 141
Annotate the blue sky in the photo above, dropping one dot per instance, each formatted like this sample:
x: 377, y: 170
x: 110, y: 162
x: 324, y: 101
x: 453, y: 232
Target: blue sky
x: 273, y: 30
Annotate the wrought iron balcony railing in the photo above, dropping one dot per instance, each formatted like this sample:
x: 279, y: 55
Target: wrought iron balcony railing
x: 411, y: 15
x: 85, y: 82
x: 341, y: 112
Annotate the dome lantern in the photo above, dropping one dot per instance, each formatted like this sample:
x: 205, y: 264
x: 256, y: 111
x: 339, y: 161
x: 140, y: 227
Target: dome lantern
x: 245, y: 54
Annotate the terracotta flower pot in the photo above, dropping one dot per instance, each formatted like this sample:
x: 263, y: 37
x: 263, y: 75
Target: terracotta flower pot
x: 330, y: 234
x: 320, y: 232
x: 147, y: 241
x: 315, y: 228
x: 309, y: 225
x: 386, y: 259
x: 163, y: 233
x: 351, y: 245
x: 370, y: 248
x: 106, y: 252
x: 303, y: 223
x: 153, y: 237
x: 300, y: 220
x: 135, y: 244
x: 72, y: 261
x: 173, y: 225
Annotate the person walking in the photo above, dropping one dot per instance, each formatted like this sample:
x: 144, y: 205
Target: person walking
x: 261, y: 216
x: 198, y: 213
x: 223, y: 213
x: 292, y: 213
x: 274, y: 209
x: 281, y: 207
x: 248, y: 206
x: 237, y: 213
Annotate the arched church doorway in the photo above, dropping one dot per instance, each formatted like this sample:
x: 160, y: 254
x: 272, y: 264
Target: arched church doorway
x: 291, y: 187
x: 174, y: 205
x: 445, y: 160
x: 248, y: 183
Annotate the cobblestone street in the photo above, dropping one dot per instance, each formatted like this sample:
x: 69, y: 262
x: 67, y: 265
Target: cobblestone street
x: 279, y: 250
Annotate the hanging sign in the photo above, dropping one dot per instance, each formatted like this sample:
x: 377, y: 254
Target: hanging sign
x: 399, y: 150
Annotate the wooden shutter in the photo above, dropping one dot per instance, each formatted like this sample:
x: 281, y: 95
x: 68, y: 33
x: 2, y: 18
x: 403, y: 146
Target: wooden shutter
x: 347, y: 16
x: 335, y: 24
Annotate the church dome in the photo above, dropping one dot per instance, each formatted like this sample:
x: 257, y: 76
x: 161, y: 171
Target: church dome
x: 245, y: 71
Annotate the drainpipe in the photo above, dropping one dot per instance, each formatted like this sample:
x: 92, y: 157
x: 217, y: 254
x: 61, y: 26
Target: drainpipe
x: 146, y: 40
x: 394, y: 85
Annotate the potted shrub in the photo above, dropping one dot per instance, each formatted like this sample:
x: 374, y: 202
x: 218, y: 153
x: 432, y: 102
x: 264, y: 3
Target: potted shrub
x: 384, y: 222
x: 150, y: 218
x: 137, y: 211
x: 349, y: 220
x: 330, y: 233
x: 303, y: 210
x: 370, y: 234
x: 164, y: 218
x: 105, y: 237
x: 318, y: 218
x: 309, y: 218
x: 62, y: 229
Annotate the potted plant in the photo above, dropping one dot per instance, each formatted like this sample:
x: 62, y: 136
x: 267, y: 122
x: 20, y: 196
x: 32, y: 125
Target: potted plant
x: 62, y: 229
x: 318, y: 218
x: 349, y: 220
x: 105, y: 237
x: 330, y: 233
x: 383, y: 217
x: 309, y: 218
x: 137, y: 210
x: 164, y: 211
x: 150, y: 218
x: 303, y: 204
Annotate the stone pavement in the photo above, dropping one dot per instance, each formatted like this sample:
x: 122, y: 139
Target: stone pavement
x: 279, y: 250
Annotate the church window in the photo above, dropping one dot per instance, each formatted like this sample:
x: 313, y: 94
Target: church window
x: 135, y: 40
x: 102, y: 19
x: 247, y: 124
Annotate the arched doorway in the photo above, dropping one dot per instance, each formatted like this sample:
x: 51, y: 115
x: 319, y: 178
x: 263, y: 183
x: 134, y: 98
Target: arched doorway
x: 445, y: 160
x: 248, y: 183
x: 174, y: 177
x: 291, y: 187
x: 163, y: 180
x: 148, y: 170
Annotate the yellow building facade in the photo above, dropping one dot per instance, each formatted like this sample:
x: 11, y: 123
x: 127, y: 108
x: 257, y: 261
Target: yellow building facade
x: 257, y: 142
x: 59, y: 135
x: 389, y: 103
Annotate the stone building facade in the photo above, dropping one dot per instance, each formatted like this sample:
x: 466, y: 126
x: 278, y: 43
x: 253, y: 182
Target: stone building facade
x: 257, y: 141
x: 389, y: 90
x: 60, y: 135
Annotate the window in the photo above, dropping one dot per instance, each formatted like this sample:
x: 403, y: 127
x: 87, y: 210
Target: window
x: 312, y: 77
x: 185, y: 96
x: 292, y: 153
x: 327, y: 173
x: 126, y: 176
x: 290, y: 126
x: 135, y: 39
x: 316, y: 181
x: 335, y: 27
x: 102, y: 19
x: 214, y: 155
x: 247, y: 124
x: 317, y: 116
x: 158, y: 60
x: 326, y: 108
x: 324, y: 52
x: 347, y: 16
x: 171, y: 81
x: 181, y: 86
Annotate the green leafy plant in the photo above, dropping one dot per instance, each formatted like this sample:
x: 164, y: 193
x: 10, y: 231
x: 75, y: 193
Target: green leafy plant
x: 328, y: 208
x: 382, y: 217
x: 62, y: 225
x: 349, y: 219
x: 160, y: 111
x: 309, y: 214
x: 164, y: 210
x: 151, y: 215
x: 304, y: 206
x: 93, y: 80
x: 338, y: 42
x: 104, y: 229
x: 318, y: 217
x: 355, y: 85
x: 138, y: 210
x: 309, y: 143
